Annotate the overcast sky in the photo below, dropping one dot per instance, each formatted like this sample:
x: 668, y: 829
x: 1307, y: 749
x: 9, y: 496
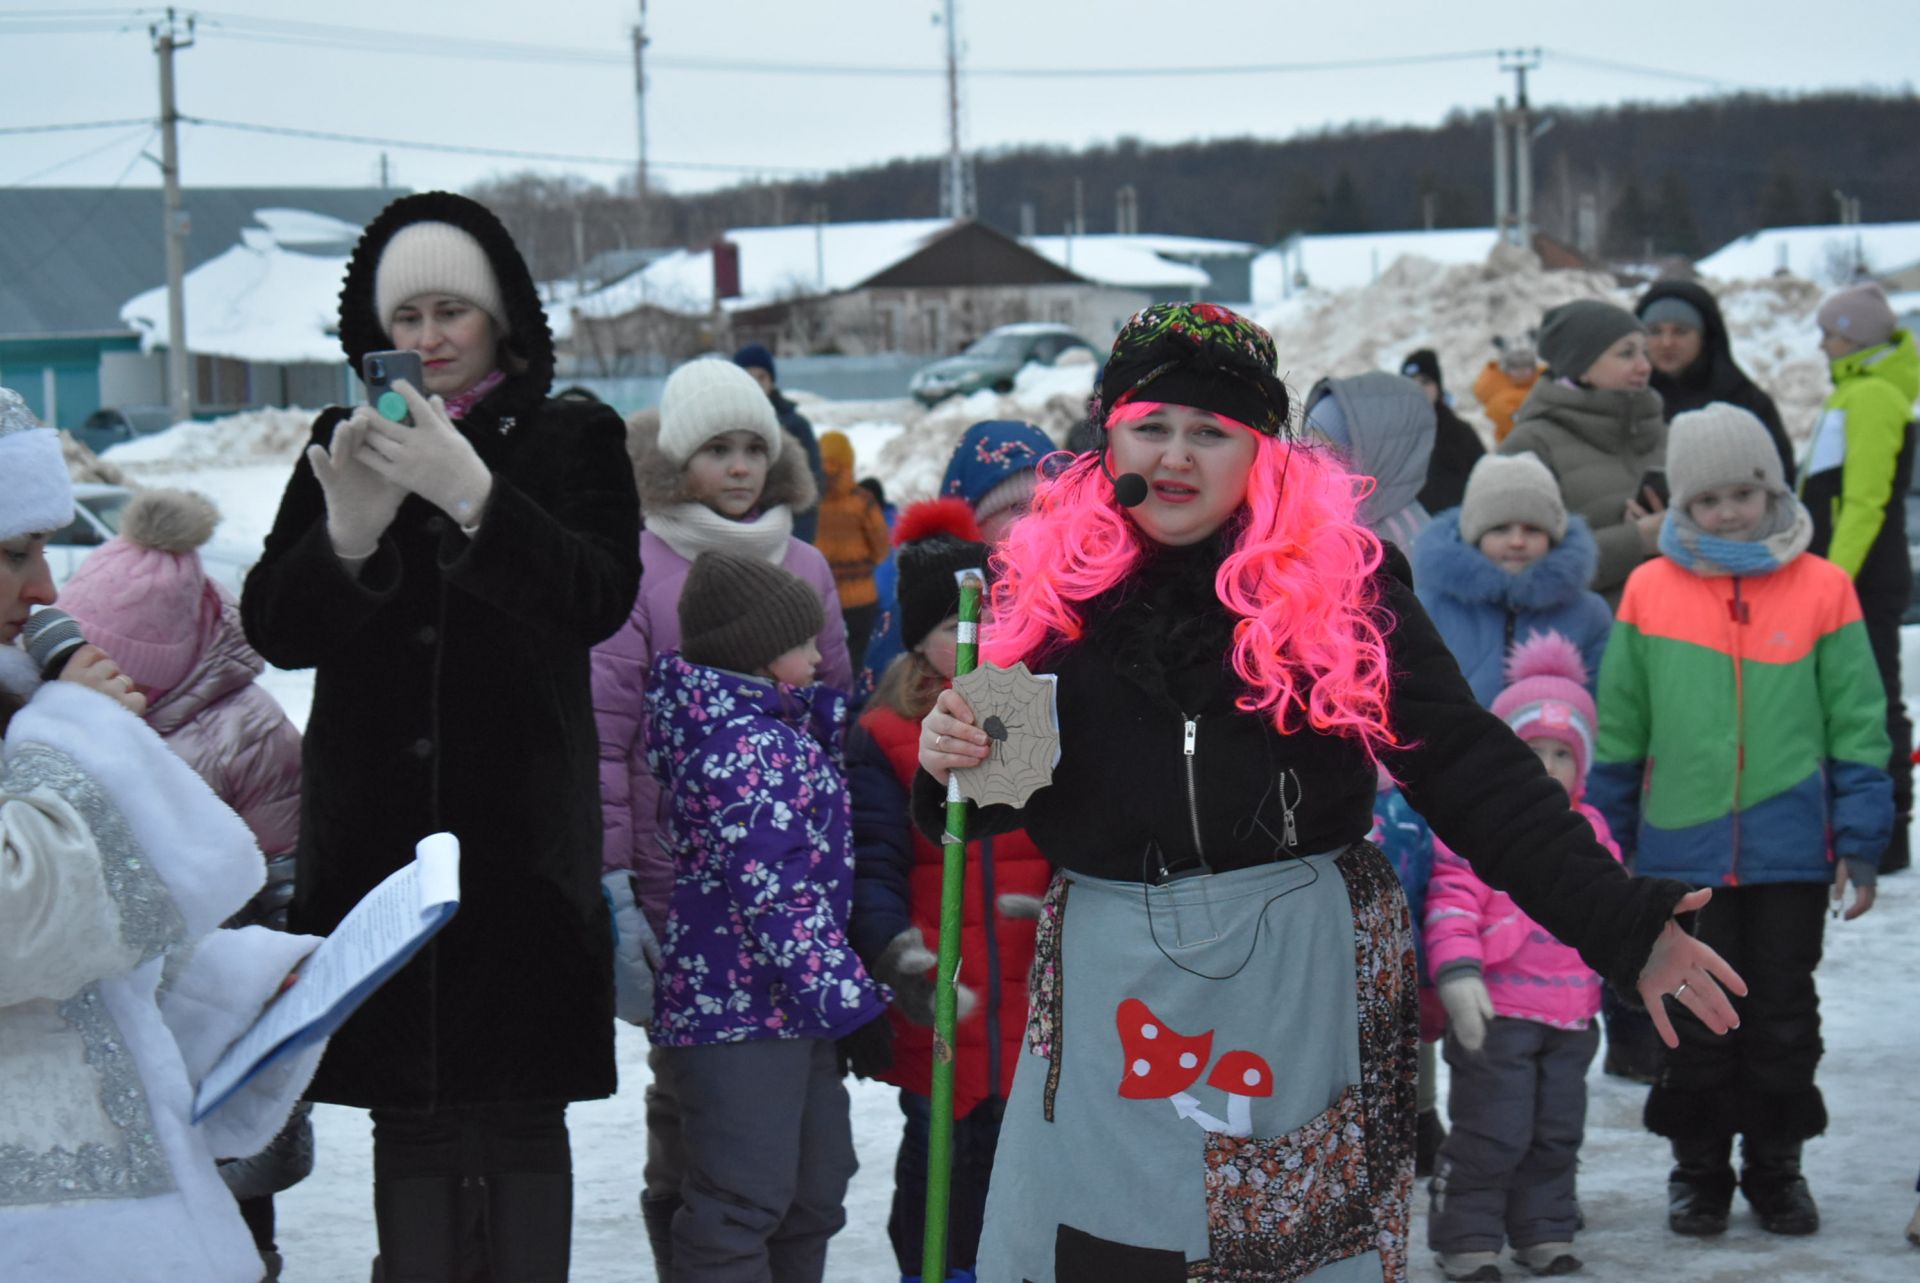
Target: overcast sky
x: 370, y: 68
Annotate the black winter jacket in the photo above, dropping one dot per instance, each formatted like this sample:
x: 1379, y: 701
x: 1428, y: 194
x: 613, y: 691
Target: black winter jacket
x: 1714, y: 376
x: 806, y: 522
x: 1158, y: 768
x: 1456, y: 448
x: 452, y: 694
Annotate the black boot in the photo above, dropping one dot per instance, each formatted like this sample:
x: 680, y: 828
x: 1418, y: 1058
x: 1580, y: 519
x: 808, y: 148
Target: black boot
x: 657, y: 1211
x: 1700, y: 1186
x: 1770, y: 1178
x: 1429, y: 1134
x: 426, y: 1226
x: 529, y: 1226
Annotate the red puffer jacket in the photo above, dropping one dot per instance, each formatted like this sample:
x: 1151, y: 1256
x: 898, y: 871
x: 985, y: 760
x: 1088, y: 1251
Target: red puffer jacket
x: 897, y: 875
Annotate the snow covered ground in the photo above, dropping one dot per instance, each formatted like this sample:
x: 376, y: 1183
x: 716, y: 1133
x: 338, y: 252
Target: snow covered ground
x: 1862, y: 1171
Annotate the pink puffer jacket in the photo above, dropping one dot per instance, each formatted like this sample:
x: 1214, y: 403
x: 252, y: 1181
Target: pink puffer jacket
x: 237, y: 738
x: 1530, y: 975
x: 630, y: 803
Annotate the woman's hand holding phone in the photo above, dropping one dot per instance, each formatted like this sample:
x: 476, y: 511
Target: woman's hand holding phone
x: 360, y: 502
x: 431, y: 458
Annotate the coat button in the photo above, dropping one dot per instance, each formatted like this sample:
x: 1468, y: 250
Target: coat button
x: 428, y: 635
x: 436, y: 525
x: 421, y: 748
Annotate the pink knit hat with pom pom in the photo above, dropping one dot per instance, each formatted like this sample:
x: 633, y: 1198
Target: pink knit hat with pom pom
x: 1547, y: 697
x: 142, y: 596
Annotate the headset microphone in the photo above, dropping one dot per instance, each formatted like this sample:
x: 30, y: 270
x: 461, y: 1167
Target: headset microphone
x: 1129, y: 488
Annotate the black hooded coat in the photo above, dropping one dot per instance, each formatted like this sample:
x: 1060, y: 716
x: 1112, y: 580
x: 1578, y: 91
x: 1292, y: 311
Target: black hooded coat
x: 1713, y: 376
x: 452, y: 694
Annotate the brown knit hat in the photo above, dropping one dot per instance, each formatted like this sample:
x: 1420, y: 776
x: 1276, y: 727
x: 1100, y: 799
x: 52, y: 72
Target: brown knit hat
x: 742, y: 614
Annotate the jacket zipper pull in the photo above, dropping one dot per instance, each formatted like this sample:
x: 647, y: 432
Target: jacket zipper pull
x: 1289, y: 834
x: 1192, y: 736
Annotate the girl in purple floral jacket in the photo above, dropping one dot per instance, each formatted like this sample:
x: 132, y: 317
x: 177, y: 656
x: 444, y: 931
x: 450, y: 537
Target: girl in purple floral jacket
x: 757, y: 982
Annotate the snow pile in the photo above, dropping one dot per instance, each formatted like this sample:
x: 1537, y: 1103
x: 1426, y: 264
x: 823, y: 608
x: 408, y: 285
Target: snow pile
x: 1456, y: 310
x: 273, y: 435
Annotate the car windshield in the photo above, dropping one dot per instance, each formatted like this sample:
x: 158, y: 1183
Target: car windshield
x: 108, y: 508
x: 998, y: 347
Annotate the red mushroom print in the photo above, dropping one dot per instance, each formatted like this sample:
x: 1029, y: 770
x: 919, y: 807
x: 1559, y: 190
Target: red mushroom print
x: 1162, y: 1064
x: 1242, y: 1075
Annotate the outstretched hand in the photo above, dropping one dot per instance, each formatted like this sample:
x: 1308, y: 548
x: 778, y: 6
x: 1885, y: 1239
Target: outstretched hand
x: 361, y: 503
x: 1692, y: 974
x: 431, y: 458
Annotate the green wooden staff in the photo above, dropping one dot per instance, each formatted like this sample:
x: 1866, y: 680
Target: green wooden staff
x: 933, y: 1260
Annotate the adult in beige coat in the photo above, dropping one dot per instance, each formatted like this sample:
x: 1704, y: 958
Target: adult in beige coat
x: 1596, y: 423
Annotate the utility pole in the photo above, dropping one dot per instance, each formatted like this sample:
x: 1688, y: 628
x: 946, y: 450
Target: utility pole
x: 1520, y: 62
x: 640, y: 100
x: 386, y: 177
x: 1502, y: 188
x: 957, y: 186
x: 166, y: 40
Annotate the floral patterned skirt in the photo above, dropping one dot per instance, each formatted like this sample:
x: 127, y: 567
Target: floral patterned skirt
x: 1217, y: 1082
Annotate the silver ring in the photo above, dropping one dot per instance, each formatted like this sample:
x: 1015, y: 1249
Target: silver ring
x: 1682, y: 989
x: 938, y: 740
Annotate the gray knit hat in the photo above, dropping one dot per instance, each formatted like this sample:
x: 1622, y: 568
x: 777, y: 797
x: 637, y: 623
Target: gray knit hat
x: 435, y: 258
x: 742, y: 614
x: 1575, y: 335
x: 1720, y: 445
x: 1504, y: 488
x: 1860, y: 313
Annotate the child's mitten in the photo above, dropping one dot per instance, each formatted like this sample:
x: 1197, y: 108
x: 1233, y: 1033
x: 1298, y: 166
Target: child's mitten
x: 906, y: 967
x: 1469, y: 1008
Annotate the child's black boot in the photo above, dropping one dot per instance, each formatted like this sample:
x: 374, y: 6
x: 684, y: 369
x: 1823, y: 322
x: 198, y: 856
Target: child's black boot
x: 1700, y: 1186
x: 1770, y: 1177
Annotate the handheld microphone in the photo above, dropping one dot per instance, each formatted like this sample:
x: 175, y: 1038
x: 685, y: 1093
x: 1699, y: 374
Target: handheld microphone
x: 50, y: 637
x: 1129, y: 488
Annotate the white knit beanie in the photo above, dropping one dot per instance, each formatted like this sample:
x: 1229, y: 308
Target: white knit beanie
x: 706, y: 397
x: 1720, y: 445
x: 1504, y: 488
x: 435, y: 258
x: 36, y: 492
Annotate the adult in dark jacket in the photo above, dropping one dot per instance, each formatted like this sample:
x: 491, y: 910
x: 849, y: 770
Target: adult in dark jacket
x: 1456, y: 446
x: 1233, y: 660
x: 448, y: 580
x: 757, y: 361
x: 1693, y: 363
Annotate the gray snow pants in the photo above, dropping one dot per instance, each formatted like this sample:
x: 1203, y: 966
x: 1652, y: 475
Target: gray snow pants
x: 1518, y: 1108
x: 768, y: 1146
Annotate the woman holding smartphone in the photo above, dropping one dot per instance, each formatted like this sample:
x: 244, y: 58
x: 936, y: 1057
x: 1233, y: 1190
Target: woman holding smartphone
x: 447, y: 578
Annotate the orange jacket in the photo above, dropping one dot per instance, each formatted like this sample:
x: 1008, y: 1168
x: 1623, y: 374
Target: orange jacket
x: 1500, y: 394
x: 853, y: 530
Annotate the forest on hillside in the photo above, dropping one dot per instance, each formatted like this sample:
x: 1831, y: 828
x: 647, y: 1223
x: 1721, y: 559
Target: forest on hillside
x: 1667, y: 179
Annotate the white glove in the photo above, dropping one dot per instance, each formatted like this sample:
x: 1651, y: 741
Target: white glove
x: 360, y: 502
x: 1018, y: 907
x: 431, y: 458
x: 1469, y: 1008
x: 636, y: 954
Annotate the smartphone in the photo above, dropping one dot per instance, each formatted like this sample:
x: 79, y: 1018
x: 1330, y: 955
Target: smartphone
x: 1654, y: 479
x: 380, y: 371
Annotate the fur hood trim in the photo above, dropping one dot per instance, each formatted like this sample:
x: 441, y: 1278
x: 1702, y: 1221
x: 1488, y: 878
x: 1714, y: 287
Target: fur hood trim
x: 1446, y: 564
x: 663, y: 485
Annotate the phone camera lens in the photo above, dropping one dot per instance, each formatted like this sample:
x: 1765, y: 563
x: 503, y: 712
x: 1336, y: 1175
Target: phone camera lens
x: 379, y: 370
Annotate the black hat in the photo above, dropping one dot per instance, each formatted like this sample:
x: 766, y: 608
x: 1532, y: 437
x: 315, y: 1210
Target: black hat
x: 742, y: 614
x: 1423, y: 364
x: 1196, y: 354
x: 934, y: 541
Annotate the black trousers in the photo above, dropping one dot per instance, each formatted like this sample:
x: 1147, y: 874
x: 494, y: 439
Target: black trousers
x: 1757, y: 1079
x: 976, y: 1138
x: 1883, y: 633
x: 479, y: 1194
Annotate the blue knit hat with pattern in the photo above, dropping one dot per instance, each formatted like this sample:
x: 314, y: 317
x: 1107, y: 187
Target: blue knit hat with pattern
x: 989, y: 453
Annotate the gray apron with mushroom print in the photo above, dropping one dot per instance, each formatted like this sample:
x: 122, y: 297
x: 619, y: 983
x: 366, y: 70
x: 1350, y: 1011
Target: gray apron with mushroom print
x: 1217, y: 1082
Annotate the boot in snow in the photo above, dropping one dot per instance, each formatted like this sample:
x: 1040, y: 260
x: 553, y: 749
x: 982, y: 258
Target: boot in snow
x: 1700, y: 1186
x: 657, y: 1210
x: 1770, y: 1178
x: 1549, y: 1260
x: 1471, y: 1267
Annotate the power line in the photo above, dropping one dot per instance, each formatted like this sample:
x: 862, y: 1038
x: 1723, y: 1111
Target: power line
x: 69, y: 128
x: 625, y: 162
x: 144, y: 133
x: 1638, y: 69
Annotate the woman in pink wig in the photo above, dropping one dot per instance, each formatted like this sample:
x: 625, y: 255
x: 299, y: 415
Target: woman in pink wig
x: 1218, y: 1074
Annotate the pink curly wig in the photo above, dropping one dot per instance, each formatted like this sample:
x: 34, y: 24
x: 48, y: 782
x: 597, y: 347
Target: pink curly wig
x: 1307, y: 642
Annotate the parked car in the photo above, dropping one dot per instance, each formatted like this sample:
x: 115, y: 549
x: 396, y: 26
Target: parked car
x: 96, y: 519
x: 992, y: 360
x: 110, y: 425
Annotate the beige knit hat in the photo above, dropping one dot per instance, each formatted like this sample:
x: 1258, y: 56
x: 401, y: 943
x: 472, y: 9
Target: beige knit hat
x: 36, y: 493
x: 435, y: 258
x: 1504, y: 488
x: 1860, y: 314
x: 742, y: 614
x: 1720, y: 445
x: 708, y: 396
